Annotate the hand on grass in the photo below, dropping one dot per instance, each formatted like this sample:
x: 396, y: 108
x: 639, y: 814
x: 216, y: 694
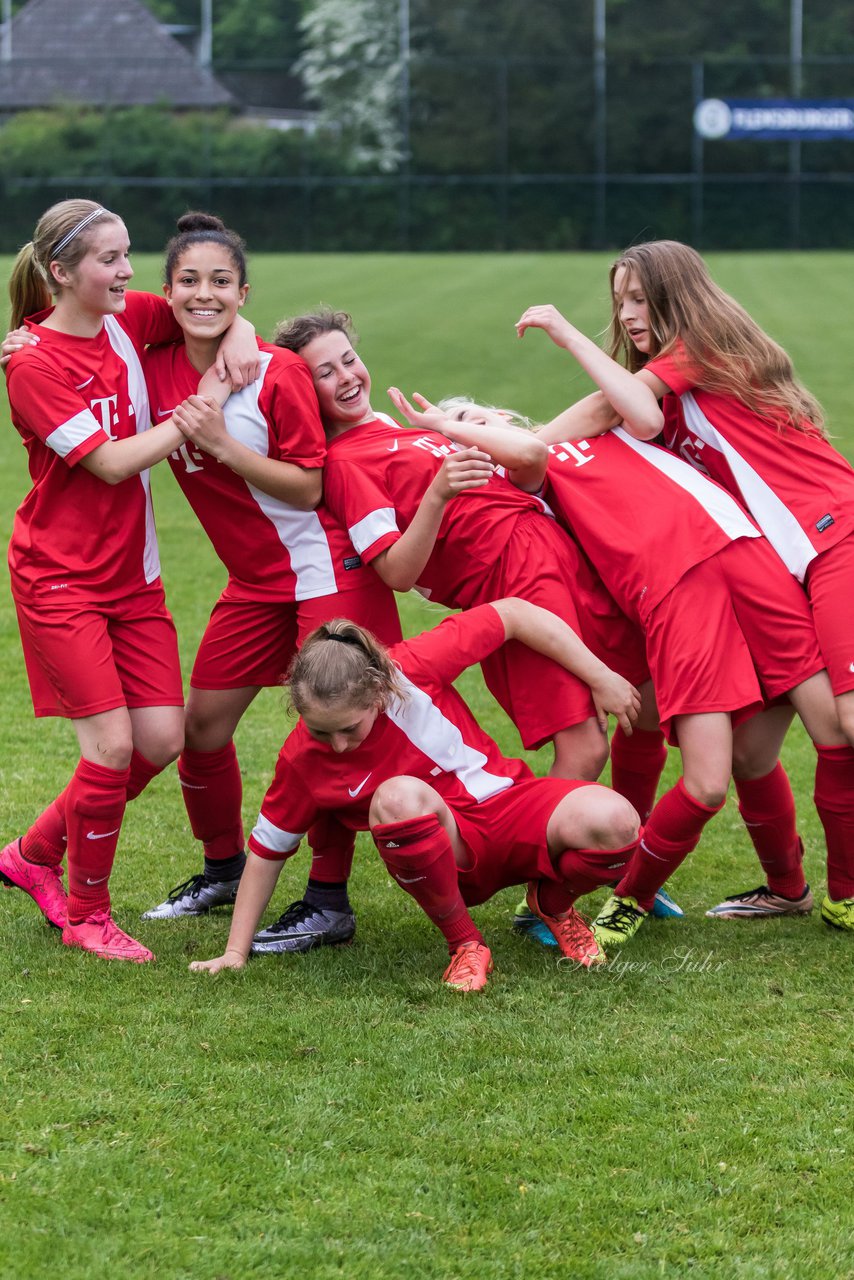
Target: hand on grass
x: 230, y: 960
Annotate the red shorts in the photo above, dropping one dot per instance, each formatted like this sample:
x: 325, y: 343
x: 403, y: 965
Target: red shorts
x: 251, y: 642
x: 506, y: 836
x: 733, y: 633
x: 82, y: 659
x: 540, y: 697
x: 830, y: 587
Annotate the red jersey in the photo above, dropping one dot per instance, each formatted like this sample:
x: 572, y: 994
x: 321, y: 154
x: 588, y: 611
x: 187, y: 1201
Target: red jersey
x: 272, y: 551
x: 643, y: 517
x: 797, y: 487
x: 376, y: 475
x: 427, y: 733
x: 75, y: 537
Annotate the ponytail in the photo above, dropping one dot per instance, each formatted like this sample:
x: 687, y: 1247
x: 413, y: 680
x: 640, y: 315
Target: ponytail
x: 341, y: 662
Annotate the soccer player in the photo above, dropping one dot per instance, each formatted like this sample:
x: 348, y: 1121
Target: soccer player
x: 252, y: 473
x: 99, y: 643
x: 633, y: 399
x: 386, y: 743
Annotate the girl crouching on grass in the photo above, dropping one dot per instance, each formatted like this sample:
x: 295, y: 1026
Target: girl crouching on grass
x: 386, y: 744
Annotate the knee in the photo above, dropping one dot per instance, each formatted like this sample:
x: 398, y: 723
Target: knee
x: 615, y: 824
x: 167, y: 748
x: 710, y: 792
x: 201, y: 731
x: 397, y: 800
x: 580, y: 755
x: 114, y: 751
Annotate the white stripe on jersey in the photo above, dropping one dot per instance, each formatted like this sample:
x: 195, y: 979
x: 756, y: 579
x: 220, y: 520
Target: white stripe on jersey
x: 773, y: 517
x: 365, y: 532
x: 438, y: 738
x: 66, y: 437
x: 715, y: 501
x: 300, y: 532
x: 126, y: 351
x: 274, y: 838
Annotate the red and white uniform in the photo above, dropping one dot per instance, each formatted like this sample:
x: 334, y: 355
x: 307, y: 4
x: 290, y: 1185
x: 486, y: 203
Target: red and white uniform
x: 429, y: 733
x: 272, y: 551
x: 83, y: 557
x: 492, y: 542
x: 797, y: 487
x: 74, y: 536
x: 642, y: 517
x: 683, y: 559
x: 275, y: 554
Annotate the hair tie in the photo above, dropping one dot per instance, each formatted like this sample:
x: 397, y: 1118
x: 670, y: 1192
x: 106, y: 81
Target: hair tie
x: 84, y: 222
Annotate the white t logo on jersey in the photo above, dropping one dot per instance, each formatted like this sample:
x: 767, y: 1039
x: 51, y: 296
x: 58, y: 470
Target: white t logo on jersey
x: 194, y: 459
x: 580, y: 451
x: 437, y: 450
x: 691, y: 451
x: 106, y: 409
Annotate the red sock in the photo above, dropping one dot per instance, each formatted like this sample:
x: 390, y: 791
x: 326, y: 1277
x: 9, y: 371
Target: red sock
x: 637, y: 763
x: 213, y: 794
x: 834, y: 800
x: 332, y: 848
x: 419, y: 856
x: 673, y: 830
x: 45, y: 841
x: 141, y: 773
x: 767, y: 808
x: 94, y: 810
x: 582, y: 870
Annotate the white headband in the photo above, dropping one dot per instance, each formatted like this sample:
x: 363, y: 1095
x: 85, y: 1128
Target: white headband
x: 90, y: 217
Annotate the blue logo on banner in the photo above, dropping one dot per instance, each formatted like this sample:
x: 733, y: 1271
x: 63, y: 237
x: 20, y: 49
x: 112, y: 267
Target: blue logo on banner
x: 781, y: 119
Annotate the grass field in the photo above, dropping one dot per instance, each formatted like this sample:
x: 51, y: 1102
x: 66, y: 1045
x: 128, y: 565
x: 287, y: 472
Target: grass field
x: 685, y: 1111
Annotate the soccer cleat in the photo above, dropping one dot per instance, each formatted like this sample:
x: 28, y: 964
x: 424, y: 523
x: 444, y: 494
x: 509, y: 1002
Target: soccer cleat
x: 100, y: 934
x: 571, y: 931
x: 525, y: 922
x: 756, y: 903
x: 303, y: 927
x: 42, y: 883
x: 618, y: 921
x: 839, y: 915
x: 194, y: 897
x: 664, y: 908
x: 471, y: 965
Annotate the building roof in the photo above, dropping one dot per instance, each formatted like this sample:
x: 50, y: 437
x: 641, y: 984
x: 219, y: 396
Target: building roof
x: 103, y: 53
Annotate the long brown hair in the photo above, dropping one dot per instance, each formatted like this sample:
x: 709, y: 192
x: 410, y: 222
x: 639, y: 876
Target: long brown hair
x: 342, y: 662
x: 31, y: 285
x: 734, y: 355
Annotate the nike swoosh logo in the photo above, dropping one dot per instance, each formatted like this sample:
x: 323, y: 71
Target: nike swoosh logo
x: 392, y: 448
x: 101, y: 881
x: 165, y: 413
x: 91, y: 835
x: 353, y: 793
x: 86, y: 383
x: 403, y: 880
x: 191, y: 786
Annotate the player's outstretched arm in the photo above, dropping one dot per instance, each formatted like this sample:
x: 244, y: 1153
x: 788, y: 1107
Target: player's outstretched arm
x: 256, y: 889
x: 524, y: 456
x: 631, y: 397
x: 548, y: 634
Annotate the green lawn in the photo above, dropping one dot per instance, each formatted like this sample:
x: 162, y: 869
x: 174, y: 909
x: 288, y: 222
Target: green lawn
x: 685, y: 1111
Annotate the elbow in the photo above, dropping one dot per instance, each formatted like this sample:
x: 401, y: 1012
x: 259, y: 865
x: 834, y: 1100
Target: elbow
x: 534, y: 456
x: 310, y: 498
x: 646, y: 426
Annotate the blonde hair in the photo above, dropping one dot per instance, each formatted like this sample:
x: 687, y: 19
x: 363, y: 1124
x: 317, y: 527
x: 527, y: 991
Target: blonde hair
x: 58, y: 237
x: 341, y: 662
x: 451, y: 404
x: 734, y: 355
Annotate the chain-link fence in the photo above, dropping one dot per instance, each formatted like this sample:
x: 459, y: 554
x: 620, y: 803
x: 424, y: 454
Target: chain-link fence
x: 498, y: 154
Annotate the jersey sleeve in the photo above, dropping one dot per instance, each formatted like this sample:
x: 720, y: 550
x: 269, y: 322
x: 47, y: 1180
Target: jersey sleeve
x: 675, y: 370
x: 55, y: 411
x: 287, y: 810
x: 360, y: 501
x: 448, y: 650
x: 148, y: 319
x: 289, y: 404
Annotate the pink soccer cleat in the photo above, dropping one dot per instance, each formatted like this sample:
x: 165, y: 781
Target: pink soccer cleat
x: 471, y: 965
x: 102, y: 936
x: 42, y: 883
